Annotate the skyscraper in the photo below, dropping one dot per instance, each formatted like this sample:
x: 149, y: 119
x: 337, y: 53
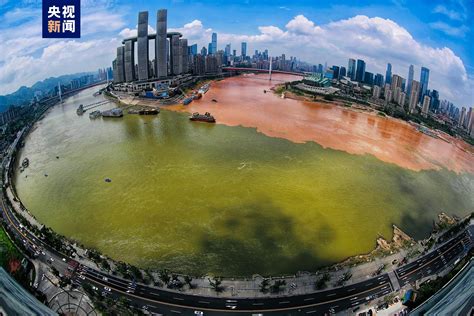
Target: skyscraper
x: 209, y: 48
x: 351, y: 69
x: 142, y: 45
x: 414, y: 95
x: 161, y: 53
x: 214, y: 43
x: 227, y: 50
x: 378, y: 81
x: 369, y: 78
x: 244, y: 49
x: 175, y: 55
x: 120, y: 65
x: 360, y: 71
x: 203, y: 51
x: 462, y: 117
x: 396, y: 82
x: 424, y: 78
x: 129, y: 58
x: 342, y: 72
x: 411, y: 72
x: 193, y: 49
x: 426, y: 106
x: 335, y: 72
x: 434, y: 105
x: 388, y: 74
x: 184, y: 55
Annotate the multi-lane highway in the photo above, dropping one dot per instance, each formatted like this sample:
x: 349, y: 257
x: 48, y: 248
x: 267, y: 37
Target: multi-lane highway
x: 158, y: 300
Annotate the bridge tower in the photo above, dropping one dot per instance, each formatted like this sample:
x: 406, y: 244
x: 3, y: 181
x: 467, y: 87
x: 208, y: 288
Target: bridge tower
x: 270, y: 68
x: 59, y: 92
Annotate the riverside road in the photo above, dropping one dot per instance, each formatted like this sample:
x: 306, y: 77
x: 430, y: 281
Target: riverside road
x: 157, y: 300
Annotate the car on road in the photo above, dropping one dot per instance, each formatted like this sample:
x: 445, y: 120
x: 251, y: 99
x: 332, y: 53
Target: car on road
x: 51, y: 259
x: 107, y: 289
x: 82, y: 277
x: 105, y: 279
x: 64, y: 259
x: 43, y: 253
x: 198, y: 313
x: 95, y: 288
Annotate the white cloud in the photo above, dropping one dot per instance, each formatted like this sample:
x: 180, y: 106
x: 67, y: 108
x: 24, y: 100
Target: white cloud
x: 27, y: 57
x: 452, y: 14
x: 450, y: 30
x: 126, y: 32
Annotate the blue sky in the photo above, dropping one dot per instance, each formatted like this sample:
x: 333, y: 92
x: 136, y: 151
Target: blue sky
x: 436, y: 34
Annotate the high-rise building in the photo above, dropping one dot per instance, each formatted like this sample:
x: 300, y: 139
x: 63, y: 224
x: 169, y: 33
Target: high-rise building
x: 424, y: 78
x: 183, y: 63
x: 161, y: 44
x: 142, y: 46
x: 401, y: 98
x: 244, y: 49
x: 396, y: 82
x: 411, y: 72
x: 414, y: 93
x: 199, y: 65
x: 470, y: 126
x: 203, y: 51
x: 360, y: 71
x: 335, y: 72
x: 342, y: 72
x: 175, y: 59
x: 227, y: 50
x: 376, y: 92
x: 378, y: 80
x: 120, y: 65
x: 388, y: 95
x: 369, y: 78
x: 129, y: 57
x: 426, y: 106
x: 193, y: 50
x: 351, y: 69
x: 462, y: 117
x: 434, y: 106
x: 213, y: 43
x: 388, y: 74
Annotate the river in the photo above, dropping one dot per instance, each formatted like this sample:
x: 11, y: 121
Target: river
x: 242, y: 196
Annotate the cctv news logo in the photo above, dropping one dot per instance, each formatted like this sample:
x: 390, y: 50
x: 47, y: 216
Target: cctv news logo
x: 61, y: 18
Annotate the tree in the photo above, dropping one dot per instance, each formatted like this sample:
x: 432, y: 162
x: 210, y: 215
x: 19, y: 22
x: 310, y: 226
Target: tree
x: 165, y: 276
x: 278, y: 286
x: 264, y: 285
x: 216, y: 284
x: 322, y: 282
x: 188, y: 279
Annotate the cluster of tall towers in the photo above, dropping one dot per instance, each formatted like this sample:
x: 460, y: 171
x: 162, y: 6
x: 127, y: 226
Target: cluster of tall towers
x: 171, y: 52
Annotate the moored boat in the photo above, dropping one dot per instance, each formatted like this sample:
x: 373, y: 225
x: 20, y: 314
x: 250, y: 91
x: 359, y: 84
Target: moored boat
x: 80, y: 110
x: 112, y: 113
x: 149, y: 111
x: 187, y: 100
x: 206, y: 117
x: 94, y: 114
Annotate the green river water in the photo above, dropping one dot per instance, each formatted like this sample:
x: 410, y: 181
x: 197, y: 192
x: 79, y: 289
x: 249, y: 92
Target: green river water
x: 200, y: 198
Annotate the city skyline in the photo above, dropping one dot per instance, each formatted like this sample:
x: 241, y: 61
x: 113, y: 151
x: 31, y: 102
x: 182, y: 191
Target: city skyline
x: 449, y: 73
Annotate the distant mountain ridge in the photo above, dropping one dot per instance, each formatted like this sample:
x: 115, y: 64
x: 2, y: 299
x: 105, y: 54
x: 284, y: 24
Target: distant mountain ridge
x: 23, y: 95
